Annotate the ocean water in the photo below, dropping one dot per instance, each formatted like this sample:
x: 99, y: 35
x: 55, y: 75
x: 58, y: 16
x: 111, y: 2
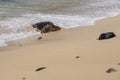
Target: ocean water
x: 16, y: 16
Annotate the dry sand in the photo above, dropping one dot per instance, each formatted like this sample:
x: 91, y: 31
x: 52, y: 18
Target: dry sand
x: 57, y: 52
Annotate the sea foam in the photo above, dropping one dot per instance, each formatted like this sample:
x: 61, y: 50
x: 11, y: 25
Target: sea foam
x: 14, y: 29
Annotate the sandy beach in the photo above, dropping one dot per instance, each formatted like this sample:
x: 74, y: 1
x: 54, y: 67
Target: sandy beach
x: 72, y: 54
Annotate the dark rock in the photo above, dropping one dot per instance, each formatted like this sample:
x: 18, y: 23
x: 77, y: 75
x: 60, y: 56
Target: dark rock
x: 77, y: 57
x: 39, y: 69
x: 106, y: 35
x: 40, y: 38
x: 111, y: 70
x: 46, y: 27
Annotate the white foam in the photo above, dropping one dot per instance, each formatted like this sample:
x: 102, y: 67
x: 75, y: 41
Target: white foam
x: 64, y: 21
x: 16, y: 28
x: 69, y: 21
x: 2, y: 43
x: 14, y: 36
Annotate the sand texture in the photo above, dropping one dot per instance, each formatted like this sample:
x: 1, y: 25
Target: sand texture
x: 72, y: 54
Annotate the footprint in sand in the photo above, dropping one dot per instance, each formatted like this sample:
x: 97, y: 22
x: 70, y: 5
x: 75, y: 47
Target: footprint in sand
x: 23, y: 78
x: 77, y: 57
x: 39, y: 69
x: 118, y: 63
x: 110, y: 70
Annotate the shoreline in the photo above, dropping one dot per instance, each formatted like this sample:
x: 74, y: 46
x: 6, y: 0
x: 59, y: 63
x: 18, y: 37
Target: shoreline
x: 99, y: 19
x: 57, y: 51
x: 97, y: 22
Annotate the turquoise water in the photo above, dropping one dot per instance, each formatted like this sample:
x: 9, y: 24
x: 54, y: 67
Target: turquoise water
x: 16, y: 15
